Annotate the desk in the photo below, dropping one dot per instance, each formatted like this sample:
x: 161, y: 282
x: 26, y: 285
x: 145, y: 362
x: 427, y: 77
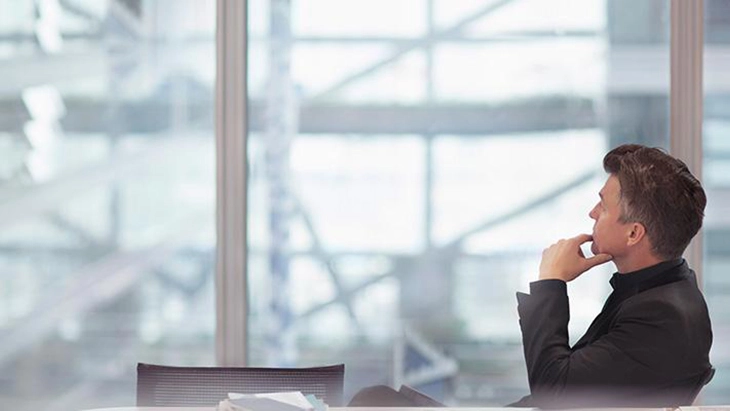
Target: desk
x: 355, y: 409
x: 702, y: 408
x: 689, y: 408
x: 153, y: 409
x: 706, y: 408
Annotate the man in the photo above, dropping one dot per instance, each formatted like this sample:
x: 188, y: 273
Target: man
x: 649, y: 345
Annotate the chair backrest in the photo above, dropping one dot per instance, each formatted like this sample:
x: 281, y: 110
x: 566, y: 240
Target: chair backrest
x: 160, y: 385
x: 685, y: 392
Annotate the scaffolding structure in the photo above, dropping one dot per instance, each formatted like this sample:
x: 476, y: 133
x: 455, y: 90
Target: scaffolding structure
x: 103, y: 276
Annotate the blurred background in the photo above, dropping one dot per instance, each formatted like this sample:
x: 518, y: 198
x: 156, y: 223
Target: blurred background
x: 408, y: 161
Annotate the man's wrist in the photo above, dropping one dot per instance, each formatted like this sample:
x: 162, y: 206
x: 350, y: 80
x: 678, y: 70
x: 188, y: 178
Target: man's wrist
x: 552, y: 276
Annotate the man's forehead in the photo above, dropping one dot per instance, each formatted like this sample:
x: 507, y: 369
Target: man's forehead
x: 612, y: 186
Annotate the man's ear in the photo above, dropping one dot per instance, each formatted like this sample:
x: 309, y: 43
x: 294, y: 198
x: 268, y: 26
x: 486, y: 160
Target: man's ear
x: 636, y: 234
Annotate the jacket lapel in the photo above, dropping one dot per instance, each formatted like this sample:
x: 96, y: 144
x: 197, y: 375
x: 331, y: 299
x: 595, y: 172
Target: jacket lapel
x: 600, y: 324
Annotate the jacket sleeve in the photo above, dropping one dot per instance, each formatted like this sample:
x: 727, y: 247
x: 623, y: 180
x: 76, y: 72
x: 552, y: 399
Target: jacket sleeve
x: 638, y: 351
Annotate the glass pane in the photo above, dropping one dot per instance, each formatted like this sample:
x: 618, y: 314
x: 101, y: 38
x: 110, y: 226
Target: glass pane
x: 716, y: 173
x: 107, y: 196
x: 408, y: 168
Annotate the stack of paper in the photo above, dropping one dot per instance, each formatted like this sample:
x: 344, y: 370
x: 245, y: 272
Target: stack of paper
x: 276, y: 401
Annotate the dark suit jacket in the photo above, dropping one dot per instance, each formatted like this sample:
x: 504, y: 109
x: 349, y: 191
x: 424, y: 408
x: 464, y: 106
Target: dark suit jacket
x: 648, y: 347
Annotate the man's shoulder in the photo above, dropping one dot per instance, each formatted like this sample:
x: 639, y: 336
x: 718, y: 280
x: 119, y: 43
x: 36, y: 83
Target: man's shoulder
x: 673, y: 294
x: 679, y: 301
x: 682, y: 285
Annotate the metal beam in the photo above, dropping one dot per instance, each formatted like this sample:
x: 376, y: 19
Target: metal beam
x: 325, y: 258
x: 514, y: 36
x: 454, y: 29
x: 451, y: 249
x: 461, y: 119
x: 157, y: 40
x: 21, y: 203
x: 78, y: 10
x: 96, y: 284
x: 21, y: 72
x: 152, y: 116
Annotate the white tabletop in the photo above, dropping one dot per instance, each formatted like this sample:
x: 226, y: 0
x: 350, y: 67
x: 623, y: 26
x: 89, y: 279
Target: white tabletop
x: 687, y: 408
x: 333, y: 409
x: 705, y: 408
x: 702, y: 408
x: 153, y: 409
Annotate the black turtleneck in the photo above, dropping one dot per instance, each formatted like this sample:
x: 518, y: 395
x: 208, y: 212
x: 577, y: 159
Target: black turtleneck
x: 639, y: 279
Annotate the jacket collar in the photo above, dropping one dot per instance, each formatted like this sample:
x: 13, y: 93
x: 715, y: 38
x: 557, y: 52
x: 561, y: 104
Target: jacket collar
x: 649, y: 277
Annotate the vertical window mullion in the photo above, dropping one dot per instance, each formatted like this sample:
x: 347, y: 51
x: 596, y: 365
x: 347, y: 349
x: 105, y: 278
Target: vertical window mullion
x: 686, y: 97
x: 231, y: 129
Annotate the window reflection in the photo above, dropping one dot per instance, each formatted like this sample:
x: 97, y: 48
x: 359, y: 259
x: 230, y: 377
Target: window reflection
x: 405, y: 178
x: 106, y: 196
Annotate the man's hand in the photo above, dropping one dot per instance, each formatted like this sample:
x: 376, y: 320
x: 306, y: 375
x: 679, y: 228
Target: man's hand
x: 565, y: 260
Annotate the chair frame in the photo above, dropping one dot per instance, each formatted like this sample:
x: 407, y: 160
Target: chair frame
x: 163, y: 385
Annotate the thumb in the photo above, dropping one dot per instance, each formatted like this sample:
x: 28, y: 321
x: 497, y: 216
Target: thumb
x: 598, y: 259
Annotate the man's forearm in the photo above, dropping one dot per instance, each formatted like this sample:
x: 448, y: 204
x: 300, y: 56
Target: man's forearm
x: 544, y: 316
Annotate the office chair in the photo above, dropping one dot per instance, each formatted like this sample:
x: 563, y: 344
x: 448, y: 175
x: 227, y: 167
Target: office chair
x: 685, y: 392
x: 160, y: 385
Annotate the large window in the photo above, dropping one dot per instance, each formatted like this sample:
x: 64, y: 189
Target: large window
x: 107, y: 198
x: 409, y: 161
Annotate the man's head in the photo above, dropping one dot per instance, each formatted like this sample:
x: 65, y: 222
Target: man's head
x: 649, y: 195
